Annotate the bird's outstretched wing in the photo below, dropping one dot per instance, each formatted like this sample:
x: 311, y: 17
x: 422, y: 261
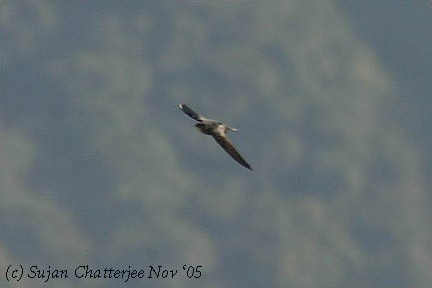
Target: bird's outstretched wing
x: 188, y: 111
x: 231, y: 150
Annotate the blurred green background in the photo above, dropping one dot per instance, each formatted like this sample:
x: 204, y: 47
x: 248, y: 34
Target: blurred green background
x: 333, y: 102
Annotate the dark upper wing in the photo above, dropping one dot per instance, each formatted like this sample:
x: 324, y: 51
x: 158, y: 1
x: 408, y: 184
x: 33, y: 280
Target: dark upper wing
x: 230, y: 149
x: 188, y: 111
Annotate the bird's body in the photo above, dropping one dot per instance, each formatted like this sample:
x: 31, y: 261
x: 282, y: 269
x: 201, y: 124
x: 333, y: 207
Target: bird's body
x: 208, y: 128
x: 218, y: 131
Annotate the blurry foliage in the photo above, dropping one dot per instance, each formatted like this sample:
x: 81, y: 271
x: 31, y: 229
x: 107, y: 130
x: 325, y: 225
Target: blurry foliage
x: 120, y: 176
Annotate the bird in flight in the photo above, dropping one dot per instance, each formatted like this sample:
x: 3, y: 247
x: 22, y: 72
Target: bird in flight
x: 218, y: 131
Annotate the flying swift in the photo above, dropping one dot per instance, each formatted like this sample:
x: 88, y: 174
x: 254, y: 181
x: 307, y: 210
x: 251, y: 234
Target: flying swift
x: 219, y: 132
